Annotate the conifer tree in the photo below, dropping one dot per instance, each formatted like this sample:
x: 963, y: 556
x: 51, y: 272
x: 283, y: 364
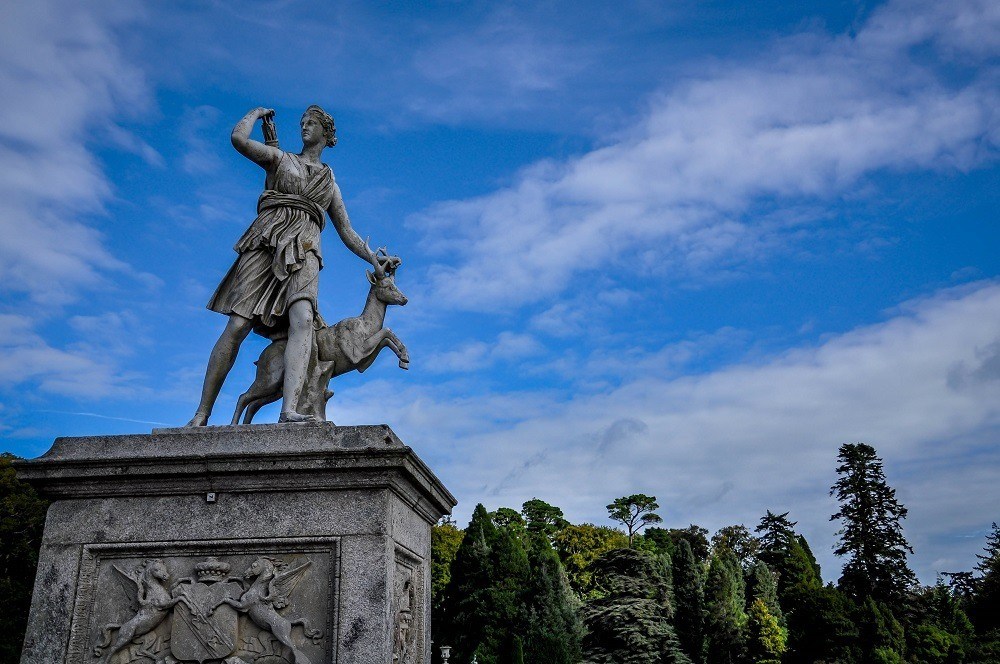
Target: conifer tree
x: 634, y: 512
x: 689, y: 602
x: 871, y: 533
x: 629, y: 623
x: 485, y: 597
x: 986, y: 606
x: 726, y: 618
x: 540, y: 517
x: 554, y: 628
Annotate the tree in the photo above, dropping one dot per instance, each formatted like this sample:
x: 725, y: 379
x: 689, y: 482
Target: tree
x: 726, y: 618
x: 740, y: 541
x: 485, y: 597
x: 629, y: 621
x: 22, y: 518
x: 667, y: 540
x: 871, y: 533
x: 579, y: 546
x: 775, y: 535
x: 766, y: 638
x: 445, y: 542
x: 689, y: 601
x: 543, y: 518
x: 554, y: 629
x: 986, y: 605
x: 634, y: 512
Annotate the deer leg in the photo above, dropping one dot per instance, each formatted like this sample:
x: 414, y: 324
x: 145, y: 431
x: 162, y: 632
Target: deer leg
x: 398, y: 348
x: 259, y: 403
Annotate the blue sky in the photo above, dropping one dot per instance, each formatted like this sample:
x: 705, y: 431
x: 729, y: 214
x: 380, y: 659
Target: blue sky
x: 686, y: 249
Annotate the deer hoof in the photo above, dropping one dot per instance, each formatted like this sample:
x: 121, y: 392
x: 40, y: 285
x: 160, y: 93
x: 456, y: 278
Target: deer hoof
x: 404, y: 364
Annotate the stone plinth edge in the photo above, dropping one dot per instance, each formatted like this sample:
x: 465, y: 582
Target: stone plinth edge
x: 250, y: 458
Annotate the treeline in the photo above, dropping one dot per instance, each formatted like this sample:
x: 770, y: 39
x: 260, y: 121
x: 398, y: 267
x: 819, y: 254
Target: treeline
x: 529, y: 587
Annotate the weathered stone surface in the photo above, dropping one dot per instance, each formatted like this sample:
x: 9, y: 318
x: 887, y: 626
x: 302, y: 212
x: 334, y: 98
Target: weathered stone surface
x: 215, y: 544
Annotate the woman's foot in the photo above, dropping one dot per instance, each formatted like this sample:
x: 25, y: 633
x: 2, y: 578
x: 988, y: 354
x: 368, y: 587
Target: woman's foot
x: 200, y: 419
x: 292, y: 416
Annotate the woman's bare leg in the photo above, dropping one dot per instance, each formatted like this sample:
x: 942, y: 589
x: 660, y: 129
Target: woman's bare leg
x: 300, y: 339
x: 219, y: 363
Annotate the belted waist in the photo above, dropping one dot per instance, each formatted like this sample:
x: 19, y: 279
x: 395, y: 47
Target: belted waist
x: 272, y: 199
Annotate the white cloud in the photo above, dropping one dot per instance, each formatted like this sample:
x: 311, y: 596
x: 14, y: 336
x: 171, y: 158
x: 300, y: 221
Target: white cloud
x: 923, y: 387
x: 62, y: 78
x: 479, y: 355
x: 83, y: 372
x: 808, y: 119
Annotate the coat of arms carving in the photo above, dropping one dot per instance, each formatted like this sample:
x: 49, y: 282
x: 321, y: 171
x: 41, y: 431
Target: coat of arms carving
x: 207, y: 616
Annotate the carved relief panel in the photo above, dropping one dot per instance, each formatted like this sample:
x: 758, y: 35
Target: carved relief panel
x: 408, y: 609
x: 267, y: 601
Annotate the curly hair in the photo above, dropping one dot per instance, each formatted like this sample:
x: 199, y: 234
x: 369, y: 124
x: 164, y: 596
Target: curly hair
x: 325, y: 119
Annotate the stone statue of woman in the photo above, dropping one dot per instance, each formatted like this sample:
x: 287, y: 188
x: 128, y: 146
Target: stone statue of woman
x: 272, y: 287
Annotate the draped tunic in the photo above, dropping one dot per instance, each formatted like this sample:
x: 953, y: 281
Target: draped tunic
x: 279, y: 255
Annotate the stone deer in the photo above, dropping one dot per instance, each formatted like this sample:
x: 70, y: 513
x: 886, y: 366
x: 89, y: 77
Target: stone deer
x: 352, y: 344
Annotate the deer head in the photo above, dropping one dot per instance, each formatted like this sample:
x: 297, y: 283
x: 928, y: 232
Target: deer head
x: 383, y: 279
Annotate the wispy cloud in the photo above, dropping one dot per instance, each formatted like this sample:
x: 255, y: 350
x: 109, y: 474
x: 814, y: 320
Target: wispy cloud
x: 724, y: 446
x: 63, y: 79
x: 807, y: 120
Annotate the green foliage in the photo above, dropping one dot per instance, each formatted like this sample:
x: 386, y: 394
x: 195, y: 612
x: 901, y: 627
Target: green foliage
x: 767, y: 640
x: 986, y: 605
x: 485, y: 597
x: 629, y: 622
x: 634, y: 512
x: 507, y: 518
x: 689, y: 601
x: 666, y: 540
x: 542, y: 518
x: 726, y: 619
x: 578, y: 548
x: 820, y: 625
x: 762, y: 585
x: 937, y: 629
x: 22, y: 518
x: 445, y: 540
x: 554, y: 628
x: 739, y: 541
x: 880, y: 634
x: 871, y: 535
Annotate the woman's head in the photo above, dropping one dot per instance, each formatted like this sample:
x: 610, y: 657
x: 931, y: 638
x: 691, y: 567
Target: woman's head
x: 325, y: 120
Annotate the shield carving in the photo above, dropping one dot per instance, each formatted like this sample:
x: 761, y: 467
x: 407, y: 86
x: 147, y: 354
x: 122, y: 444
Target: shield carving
x: 199, y: 636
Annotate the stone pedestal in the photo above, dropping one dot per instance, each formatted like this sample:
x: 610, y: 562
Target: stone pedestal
x: 263, y: 544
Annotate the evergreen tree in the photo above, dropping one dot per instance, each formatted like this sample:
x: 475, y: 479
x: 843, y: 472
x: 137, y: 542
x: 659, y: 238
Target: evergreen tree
x: 726, y: 618
x: 775, y: 535
x: 579, y: 546
x: 634, y: 512
x: 820, y: 625
x: 986, y: 605
x: 880, y: 634
x: 937, y: 631
x: 22, y: 518
x: 761, y: 583
x: 445, y: 542
x: 540, y: 517
x: 871, y: 534
x: 689, y: 600
x: 554, y: 629
x: 485, y: 597
x: 629, y: 622
x: 767, y: 640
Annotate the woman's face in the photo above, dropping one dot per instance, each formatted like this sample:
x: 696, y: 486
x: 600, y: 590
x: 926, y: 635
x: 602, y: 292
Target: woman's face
x: 312, y: 130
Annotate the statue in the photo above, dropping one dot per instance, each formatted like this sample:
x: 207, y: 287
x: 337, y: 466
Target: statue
x: 272, y: 287
x: 352, y: 344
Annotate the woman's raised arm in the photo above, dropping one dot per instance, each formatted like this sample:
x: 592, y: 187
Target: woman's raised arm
x: 265, y: 156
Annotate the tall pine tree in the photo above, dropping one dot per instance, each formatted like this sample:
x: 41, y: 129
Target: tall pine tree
x: 871, y: 534
x: 689, y: 601
x: 554, y: 628
x: 726, y: 619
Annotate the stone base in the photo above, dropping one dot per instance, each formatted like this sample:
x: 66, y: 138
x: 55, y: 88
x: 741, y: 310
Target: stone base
x: 262, y: 544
